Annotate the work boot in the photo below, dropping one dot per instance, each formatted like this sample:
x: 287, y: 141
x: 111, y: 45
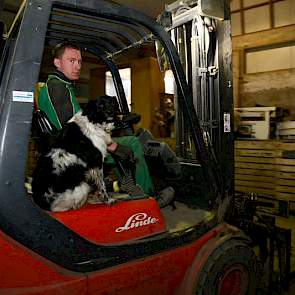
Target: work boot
x: 128, y: 185
x: 166, y: 197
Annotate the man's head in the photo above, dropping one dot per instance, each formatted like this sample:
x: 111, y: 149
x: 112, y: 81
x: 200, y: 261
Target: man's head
x: 67, y: 59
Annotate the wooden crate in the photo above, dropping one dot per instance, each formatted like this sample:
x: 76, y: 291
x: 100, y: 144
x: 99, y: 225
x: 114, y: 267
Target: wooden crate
x: 255, y: 166
x: 285, y: 185
x: 265, y: 167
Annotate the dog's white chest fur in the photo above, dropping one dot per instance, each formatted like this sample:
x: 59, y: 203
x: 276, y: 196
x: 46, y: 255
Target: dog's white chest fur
x: 99, y: 134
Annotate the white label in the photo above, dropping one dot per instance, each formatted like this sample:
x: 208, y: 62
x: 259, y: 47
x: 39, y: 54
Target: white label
x: 23, y: 96
x: 226, y: 118
x: 137, y: 220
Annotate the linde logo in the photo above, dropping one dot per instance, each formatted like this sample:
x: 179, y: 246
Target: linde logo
x: 137, y: 220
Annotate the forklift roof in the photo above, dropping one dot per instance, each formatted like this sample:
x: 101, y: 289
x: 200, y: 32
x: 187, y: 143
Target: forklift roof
x: 109, y: 35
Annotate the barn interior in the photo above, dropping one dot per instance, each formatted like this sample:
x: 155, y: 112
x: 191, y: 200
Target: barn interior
x: 263, y: 64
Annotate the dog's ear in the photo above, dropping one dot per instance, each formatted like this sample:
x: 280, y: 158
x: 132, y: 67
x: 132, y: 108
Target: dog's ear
x: 94, y: 112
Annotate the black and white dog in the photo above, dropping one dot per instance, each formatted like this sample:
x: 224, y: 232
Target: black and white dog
x: 70, y: 172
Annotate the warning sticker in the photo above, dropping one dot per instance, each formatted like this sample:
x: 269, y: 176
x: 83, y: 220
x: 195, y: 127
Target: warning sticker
x: 226, y: 119
x: 23, y: 96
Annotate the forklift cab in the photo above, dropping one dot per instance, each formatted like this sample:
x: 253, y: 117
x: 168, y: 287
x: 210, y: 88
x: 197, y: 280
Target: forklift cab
x: 132, y: 247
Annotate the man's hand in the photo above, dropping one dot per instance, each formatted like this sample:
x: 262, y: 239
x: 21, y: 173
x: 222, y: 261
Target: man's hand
x: 123, y: 152
x: 112, y: 147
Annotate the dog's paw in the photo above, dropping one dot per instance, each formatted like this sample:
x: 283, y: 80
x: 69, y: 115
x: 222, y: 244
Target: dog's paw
x: 95, y: 201
x: 111, y: 201
x: 98, y: 198
x: 95, y: 198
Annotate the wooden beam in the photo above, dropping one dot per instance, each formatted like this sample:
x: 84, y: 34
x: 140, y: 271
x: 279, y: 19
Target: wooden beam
x: 265, y: 38
x: 271, y: 14
x: 242, y: 17
x: 255, y: 5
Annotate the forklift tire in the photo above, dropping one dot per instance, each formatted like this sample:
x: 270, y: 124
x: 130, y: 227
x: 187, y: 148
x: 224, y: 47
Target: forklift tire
x: 231, y: 269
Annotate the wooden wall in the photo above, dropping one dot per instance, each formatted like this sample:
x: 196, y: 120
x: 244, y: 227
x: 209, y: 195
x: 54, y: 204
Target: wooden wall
x: 271, y: 89
x: 147, y: 82
x: 97, y: 82
x: 276, y: 88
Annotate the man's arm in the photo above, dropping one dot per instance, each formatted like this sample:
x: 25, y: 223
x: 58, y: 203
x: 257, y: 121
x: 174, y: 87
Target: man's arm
x: 61, y: 100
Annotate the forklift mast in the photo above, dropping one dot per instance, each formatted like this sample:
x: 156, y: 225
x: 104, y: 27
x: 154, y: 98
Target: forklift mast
x: 201, y: 33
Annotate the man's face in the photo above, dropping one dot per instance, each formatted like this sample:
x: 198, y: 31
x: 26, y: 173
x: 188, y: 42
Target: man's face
x: 69, y: 63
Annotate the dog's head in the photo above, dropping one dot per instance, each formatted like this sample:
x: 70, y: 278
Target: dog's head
x: 103, y: 109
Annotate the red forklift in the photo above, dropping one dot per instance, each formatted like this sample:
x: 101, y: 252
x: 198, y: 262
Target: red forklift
x: 197, y: 246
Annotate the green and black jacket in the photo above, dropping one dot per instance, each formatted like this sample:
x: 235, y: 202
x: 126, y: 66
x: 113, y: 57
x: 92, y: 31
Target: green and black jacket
x: 58, y: 100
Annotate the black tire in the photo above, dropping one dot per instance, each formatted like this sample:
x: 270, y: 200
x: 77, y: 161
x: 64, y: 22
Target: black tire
x: 230, y: 270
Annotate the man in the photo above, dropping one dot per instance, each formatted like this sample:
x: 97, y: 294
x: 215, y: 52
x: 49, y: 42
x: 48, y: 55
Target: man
x: 58, y: 100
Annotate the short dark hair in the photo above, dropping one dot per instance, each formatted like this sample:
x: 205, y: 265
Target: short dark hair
x: 60, y: 48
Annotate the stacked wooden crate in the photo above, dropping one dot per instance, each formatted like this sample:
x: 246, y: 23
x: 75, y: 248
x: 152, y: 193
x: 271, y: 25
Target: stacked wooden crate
x: 255, y: 166
x: 265, y: 167
x: 285, y: 163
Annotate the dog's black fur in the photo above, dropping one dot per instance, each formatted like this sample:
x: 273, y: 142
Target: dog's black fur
x: 71, y: 168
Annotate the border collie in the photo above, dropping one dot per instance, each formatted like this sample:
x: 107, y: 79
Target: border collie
x: 70, y: 172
